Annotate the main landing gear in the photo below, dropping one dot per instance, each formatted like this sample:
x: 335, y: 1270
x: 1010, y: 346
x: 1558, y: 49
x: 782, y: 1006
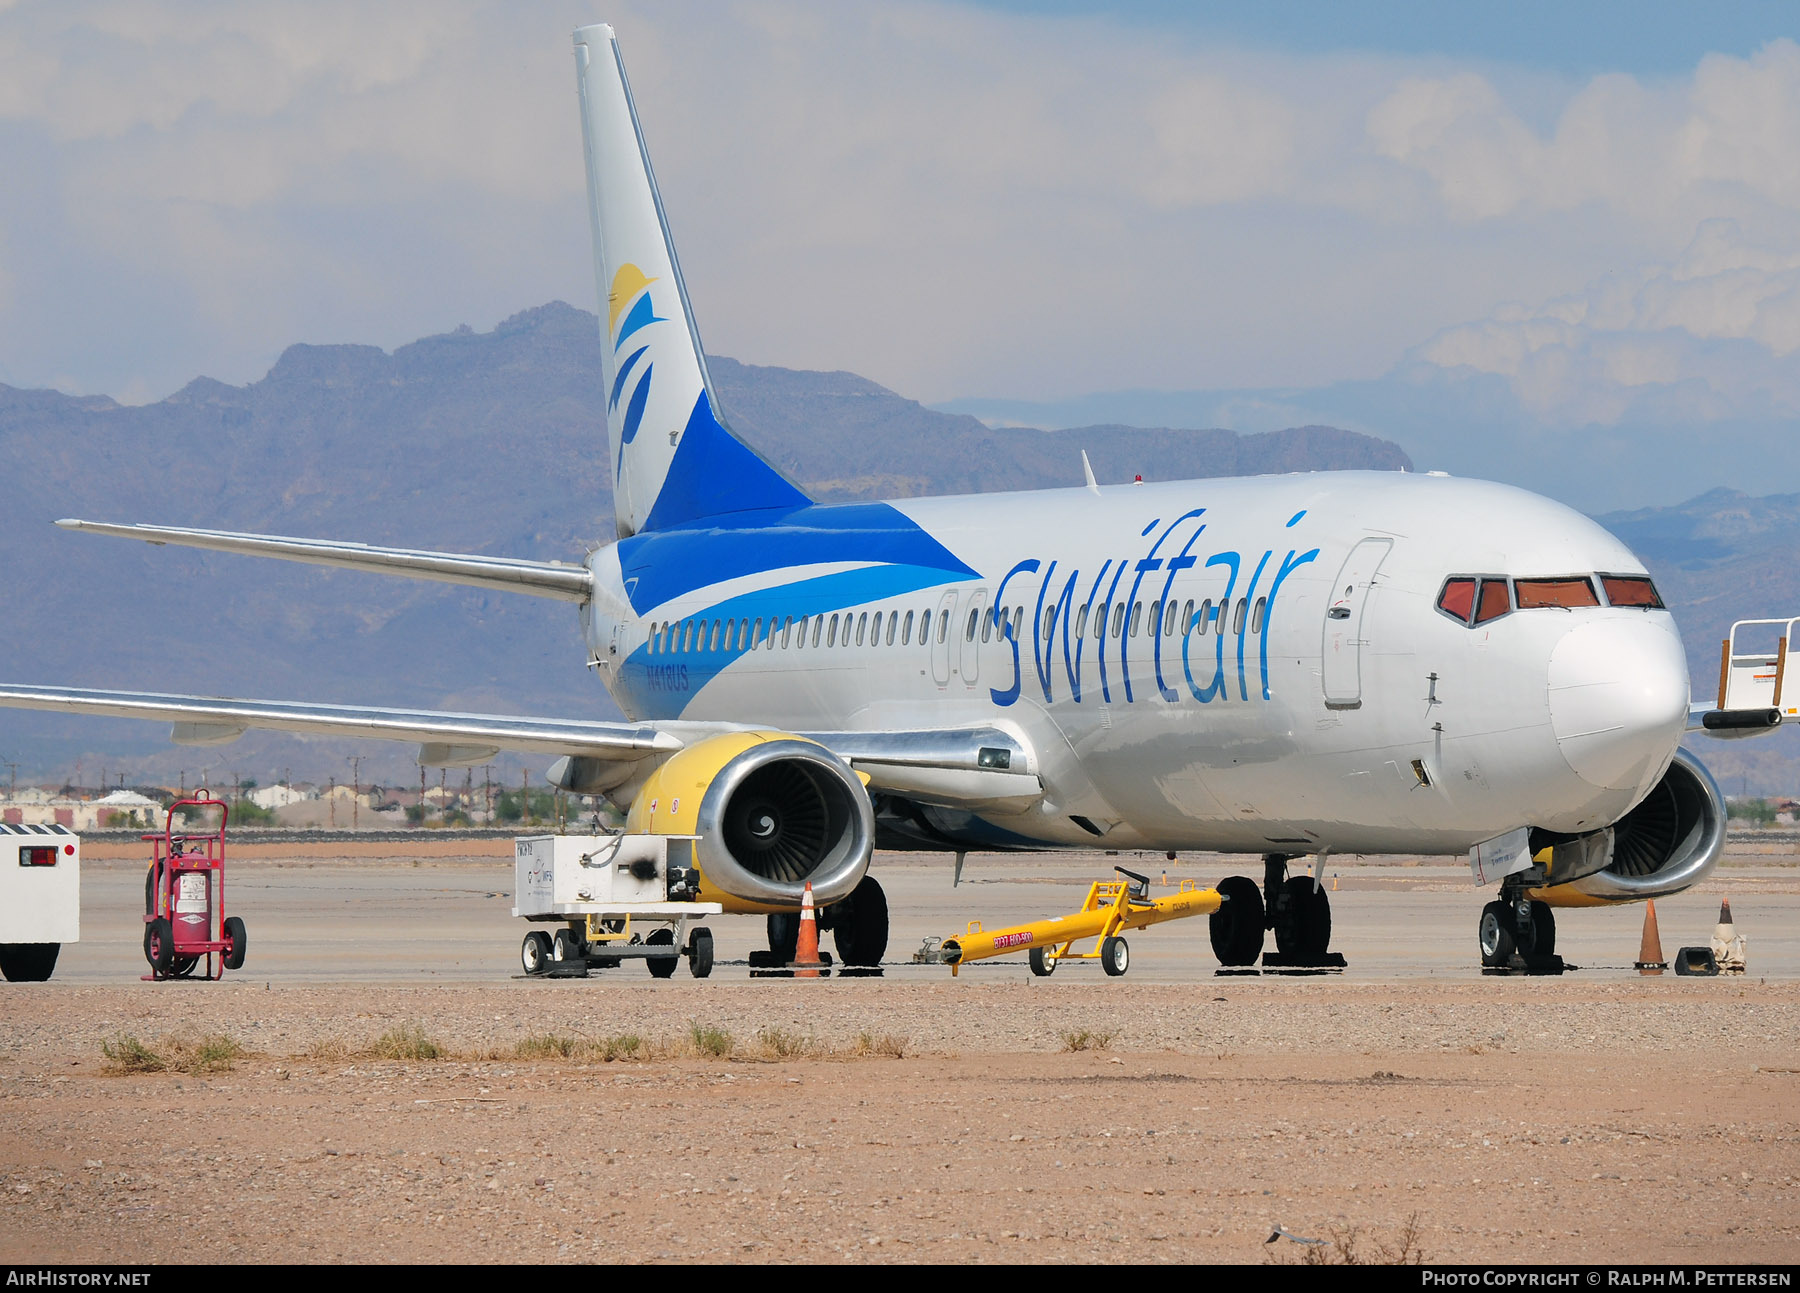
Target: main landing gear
x: 858, y: 925
x: 1296, y: 908
x: 1518, y: 934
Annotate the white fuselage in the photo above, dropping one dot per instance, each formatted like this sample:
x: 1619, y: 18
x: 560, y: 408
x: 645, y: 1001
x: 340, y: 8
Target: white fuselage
x: 1324, y: 703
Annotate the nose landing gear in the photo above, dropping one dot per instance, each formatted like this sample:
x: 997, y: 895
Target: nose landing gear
x: 1517, y: 935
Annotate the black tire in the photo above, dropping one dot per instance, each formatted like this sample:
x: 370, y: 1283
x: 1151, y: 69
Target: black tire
x: 566, y: 947
x: 150, y: 889
x: 784, y: 935
x: 1496, y: 935
x: 1043, y: 964
x: 1303, y: 921
x: 28, y: 962
x: 1115, y: 956
x: 534, y: 952
x: 661, y: 967
x: 1237, y: 926
x: 860, y: 924
x: 159, y: 945
x: 700, y: 952
x: 1543, y: 929
x: 237, y: 942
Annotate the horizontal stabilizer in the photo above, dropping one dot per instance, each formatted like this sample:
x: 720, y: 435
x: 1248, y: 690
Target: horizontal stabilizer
x: 568, y: 583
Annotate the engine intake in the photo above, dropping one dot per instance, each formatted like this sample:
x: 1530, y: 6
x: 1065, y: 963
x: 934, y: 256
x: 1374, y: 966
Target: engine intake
x: 769, y: 812
x: 1669, y: 842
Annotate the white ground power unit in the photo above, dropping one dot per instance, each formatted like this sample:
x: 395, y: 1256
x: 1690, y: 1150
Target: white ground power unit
x: 40, y: 898
x: 615, y: 897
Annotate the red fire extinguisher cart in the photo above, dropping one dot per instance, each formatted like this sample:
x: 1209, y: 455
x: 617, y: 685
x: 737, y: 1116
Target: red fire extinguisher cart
x: 184, y: 896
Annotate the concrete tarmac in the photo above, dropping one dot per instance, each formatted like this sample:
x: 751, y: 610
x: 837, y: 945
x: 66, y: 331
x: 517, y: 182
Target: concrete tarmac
x: 315, y: 915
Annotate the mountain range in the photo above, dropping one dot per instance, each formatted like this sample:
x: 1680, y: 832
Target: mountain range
x: 491, y: 442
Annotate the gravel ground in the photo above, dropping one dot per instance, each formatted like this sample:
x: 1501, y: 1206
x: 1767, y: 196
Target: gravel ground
x: 1514, y: 1120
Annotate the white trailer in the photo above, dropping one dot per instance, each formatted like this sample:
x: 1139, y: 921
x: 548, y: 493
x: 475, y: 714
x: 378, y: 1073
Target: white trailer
x: 40, y: 898
x: 615, y: 897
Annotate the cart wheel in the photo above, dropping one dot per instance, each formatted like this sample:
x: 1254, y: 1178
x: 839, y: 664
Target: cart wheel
x: 237, y: 941
x: 566, y: 946
x: 700, y: 952
x: 1115, y: 956
x: 1043, y: 964
x: 661, y: 967
x: 534, y: 952
x: 150, y: 889
x: 159, y: 946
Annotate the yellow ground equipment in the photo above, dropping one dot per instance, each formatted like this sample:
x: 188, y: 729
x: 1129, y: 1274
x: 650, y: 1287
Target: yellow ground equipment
x: 1112, y: 907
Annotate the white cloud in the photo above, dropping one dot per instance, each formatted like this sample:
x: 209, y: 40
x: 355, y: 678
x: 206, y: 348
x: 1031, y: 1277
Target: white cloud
x: 953, y: 201
x: 1712, y: 334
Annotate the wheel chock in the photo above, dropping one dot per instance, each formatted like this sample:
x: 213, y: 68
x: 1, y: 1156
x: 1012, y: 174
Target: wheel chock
x: 1696, y: 962
x: 1330, y: 963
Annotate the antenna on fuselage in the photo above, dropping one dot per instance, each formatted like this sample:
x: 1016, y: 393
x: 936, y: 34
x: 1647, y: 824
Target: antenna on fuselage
x: 1087, y: 469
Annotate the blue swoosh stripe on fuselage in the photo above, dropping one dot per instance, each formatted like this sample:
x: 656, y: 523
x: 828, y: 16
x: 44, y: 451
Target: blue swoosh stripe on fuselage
x: 657, y: 692
x: 670, y: 563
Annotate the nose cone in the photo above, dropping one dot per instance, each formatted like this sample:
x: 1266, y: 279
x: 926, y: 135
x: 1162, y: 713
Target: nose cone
x: 1619, y: 699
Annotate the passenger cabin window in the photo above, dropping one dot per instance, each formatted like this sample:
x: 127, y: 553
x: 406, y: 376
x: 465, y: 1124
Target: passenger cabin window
x: 1559, y: 594
x: 1631, y: 590
x: 1256, y: 619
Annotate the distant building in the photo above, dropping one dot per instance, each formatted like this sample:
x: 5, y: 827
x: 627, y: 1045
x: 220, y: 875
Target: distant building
x: 273, y: 797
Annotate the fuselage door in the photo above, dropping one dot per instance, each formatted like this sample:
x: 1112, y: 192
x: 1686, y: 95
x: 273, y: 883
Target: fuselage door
x: 943, y: 637
x: 1346, y: 623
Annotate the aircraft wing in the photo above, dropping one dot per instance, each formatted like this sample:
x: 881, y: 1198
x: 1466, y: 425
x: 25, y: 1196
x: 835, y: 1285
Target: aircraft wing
x: 444, y: 738
x: 568, y: 583
x: 975, y: 768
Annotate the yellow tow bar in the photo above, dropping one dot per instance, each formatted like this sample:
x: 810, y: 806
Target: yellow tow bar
x: 1112, y: 907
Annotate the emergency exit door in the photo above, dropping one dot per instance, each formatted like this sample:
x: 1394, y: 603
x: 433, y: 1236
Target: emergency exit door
x: 1346, y: 623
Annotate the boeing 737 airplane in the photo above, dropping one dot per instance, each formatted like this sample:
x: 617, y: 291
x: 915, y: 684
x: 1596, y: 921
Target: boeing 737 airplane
x: 1349, y: 662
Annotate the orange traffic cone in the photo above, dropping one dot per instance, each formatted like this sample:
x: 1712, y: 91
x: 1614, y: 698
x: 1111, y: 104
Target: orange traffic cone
x: 806, y: 949
x: 1650, y: 953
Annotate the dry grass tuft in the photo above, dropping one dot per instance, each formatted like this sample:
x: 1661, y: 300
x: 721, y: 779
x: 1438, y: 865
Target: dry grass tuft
x: 783, y: 1044
x: 1088, y: 1039
x: 208, y: 1053
x: 1348, y: 1246
x: 880, y: 1044
x: 550, y: 1046
x: 405, y: 1042
x: 126, y: 1054
x: 708, y: 1040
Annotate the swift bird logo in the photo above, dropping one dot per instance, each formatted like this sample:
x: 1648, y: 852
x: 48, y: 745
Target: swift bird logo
x: 630, y: 310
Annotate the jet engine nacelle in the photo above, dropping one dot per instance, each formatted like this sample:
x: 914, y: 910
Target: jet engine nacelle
x: 770, y: 812
x: 1669, y: 842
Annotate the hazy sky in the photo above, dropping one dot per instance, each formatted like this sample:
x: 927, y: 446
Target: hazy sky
x: 1025, y: 199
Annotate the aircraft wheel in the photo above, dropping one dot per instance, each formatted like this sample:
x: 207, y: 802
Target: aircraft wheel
x: 784, y: 935
x: 1303, y: 921
x: 28, y: 962
x: 1237, y: 926
x: 534, y: 952
x: 1043, y: 962
x: 1115, y: 956
x: 1497, y: 939
x: 700, y: 952
x: 661, y: 967
x: 859, y: 924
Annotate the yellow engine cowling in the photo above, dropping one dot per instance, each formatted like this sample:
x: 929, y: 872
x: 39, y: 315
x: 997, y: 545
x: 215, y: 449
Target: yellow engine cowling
x: 770, y: 811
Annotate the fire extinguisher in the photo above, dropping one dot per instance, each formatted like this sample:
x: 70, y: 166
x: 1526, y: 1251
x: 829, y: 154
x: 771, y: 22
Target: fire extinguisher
x: 192, y: 914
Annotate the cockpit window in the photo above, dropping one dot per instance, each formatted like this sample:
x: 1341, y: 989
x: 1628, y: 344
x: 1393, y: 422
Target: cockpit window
x: 1457, y: 599
x: 1494, y: 601
x: 1576, y: 590
x: 1631, y: 590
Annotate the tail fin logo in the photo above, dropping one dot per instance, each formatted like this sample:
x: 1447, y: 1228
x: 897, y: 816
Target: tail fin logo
x: 630, y: 310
